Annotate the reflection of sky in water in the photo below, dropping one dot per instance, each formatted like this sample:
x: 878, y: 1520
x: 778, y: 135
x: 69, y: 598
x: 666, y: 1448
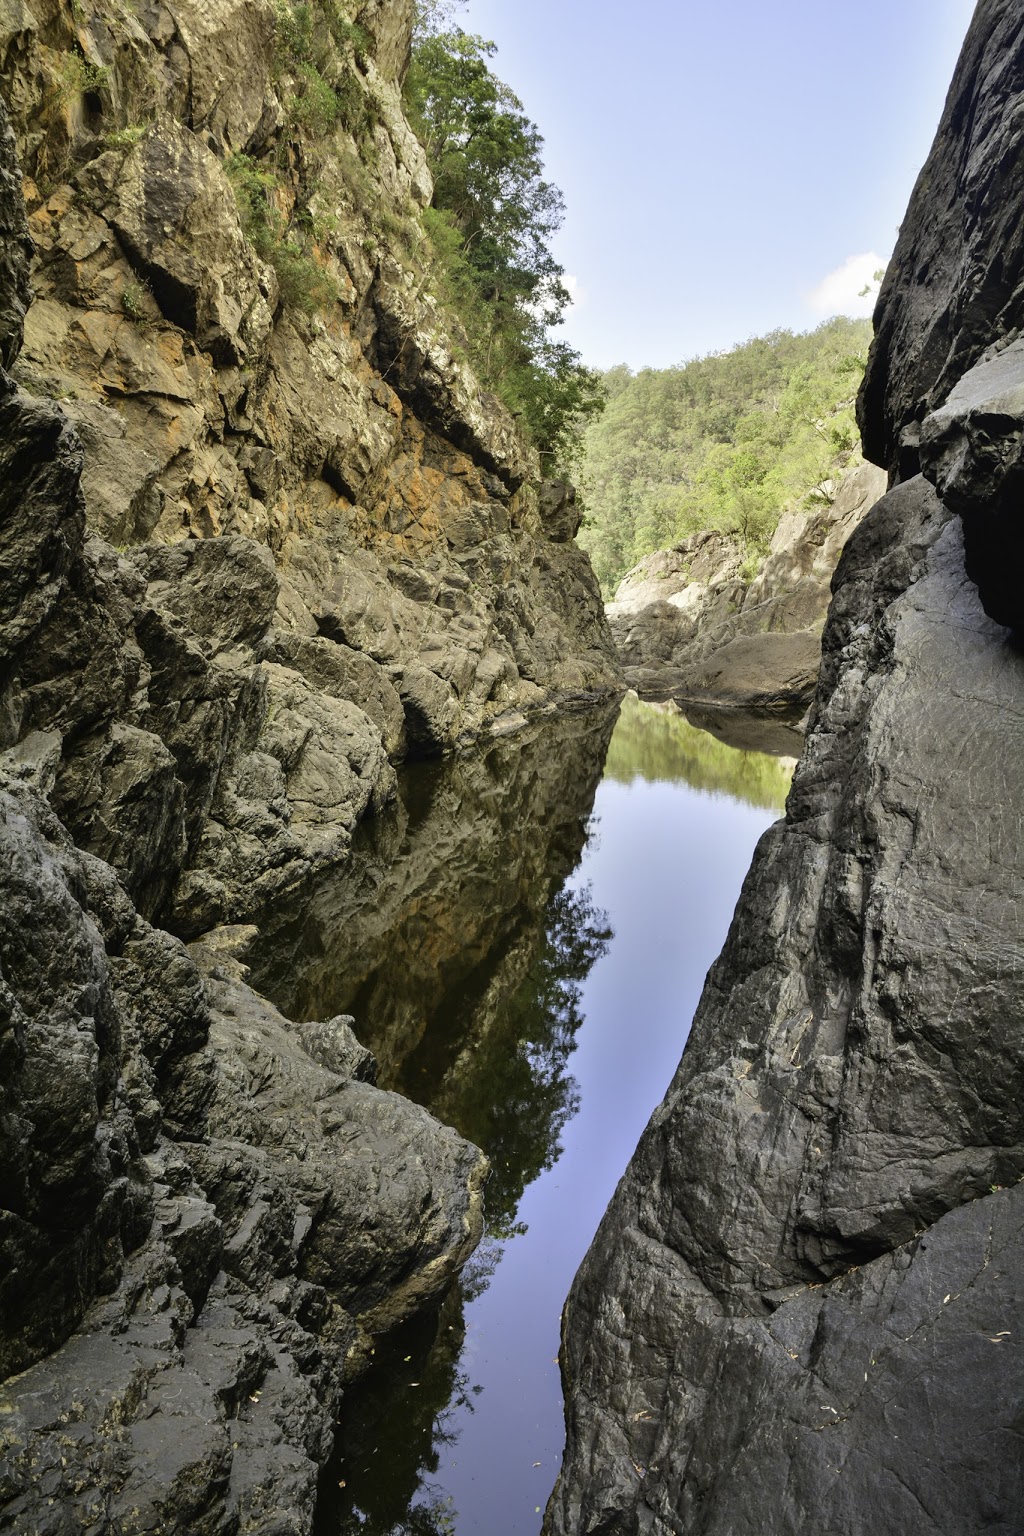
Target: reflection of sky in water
x: 665, y: 864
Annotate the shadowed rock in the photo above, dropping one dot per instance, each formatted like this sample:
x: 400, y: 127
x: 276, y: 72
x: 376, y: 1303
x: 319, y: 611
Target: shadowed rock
x: 971, y: 449
x: 802, y: 1309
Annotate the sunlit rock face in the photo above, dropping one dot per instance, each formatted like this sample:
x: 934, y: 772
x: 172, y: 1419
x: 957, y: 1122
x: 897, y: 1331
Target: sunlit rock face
x: 800, y: 1310
x: 370, y: 517
x: 690, y: 622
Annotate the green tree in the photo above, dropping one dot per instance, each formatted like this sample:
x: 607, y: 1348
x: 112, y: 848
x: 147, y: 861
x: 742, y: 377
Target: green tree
x: 729, y: 441
x: 492, y: 219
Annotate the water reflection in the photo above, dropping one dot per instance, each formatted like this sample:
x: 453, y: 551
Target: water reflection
x: 397, y: 1424
x: 434, y: 924
x: 658, y: 743
x: 479, y: 962
x: 509, y: 1089
x: 457, y: 945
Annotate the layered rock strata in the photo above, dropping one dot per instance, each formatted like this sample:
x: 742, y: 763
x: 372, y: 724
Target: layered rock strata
x: 803, y: 1309
x: 690, y: 623
x: 268, y: 539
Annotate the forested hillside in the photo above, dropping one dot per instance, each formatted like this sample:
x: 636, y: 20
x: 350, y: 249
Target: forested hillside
x: 729, y: 442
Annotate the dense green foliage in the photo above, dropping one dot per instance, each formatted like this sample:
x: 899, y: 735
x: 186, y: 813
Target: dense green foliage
x: 491, y: 222
x: 729, y: 442
x: 302, y: 281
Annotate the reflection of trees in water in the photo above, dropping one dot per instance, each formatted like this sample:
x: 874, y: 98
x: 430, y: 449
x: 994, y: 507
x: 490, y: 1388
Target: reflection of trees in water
x: 505, y: 1085
x: 657, y: 743
x: 520, y: 1094
x: 397, y: 1423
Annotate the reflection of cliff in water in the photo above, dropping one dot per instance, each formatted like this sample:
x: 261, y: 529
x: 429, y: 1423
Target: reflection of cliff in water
x: 433, y: 925
x: 657, y: 743
x: 453, y: 941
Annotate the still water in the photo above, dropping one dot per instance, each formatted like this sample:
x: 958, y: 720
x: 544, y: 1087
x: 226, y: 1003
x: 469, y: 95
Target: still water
x: 522, y: 944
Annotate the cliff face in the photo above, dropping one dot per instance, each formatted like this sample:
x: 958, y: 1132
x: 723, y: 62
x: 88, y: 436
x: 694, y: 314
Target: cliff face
x: 323, y: 548
x: 687, y: 621
x: 803, y: 1308
x: 260, y: 537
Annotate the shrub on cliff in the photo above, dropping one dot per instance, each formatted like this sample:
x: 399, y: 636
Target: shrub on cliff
x: 491, y: 222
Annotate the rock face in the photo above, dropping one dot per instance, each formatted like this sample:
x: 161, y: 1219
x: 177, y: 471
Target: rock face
x: 271, y: 540
x: 688, y: 622
x: 951, y: 298
x: 802, y: 1310
x: 316, y: 546
x: 202, y: 1205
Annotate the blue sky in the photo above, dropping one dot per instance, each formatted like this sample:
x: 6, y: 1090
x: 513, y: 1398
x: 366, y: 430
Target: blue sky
x: 721, y: 161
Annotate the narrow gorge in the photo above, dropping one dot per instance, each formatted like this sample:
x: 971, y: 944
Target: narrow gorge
x: 312, y: 740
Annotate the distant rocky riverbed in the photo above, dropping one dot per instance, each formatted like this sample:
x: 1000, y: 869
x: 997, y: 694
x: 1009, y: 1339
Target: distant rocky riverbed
x: 690, y: 624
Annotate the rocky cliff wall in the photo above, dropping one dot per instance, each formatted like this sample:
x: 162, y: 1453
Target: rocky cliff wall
x: 689, y: 622
x: 315, y: 545
x: 803, y: 1309
x: 260, y: 537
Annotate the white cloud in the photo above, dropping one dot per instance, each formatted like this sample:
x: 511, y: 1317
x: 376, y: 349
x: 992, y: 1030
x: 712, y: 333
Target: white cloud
x: 577, y: 295
x: 840, y: 293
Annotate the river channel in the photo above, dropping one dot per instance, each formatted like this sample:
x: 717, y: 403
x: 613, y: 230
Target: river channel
x: 522, y: 942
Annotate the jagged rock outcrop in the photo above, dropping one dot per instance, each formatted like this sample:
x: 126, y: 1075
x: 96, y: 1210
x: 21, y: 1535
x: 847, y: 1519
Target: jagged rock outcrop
x: 690, y: 623
x: 202, y: 1205
x: 260, y: 537
x: 232, y: 305
x: 803, y: 1309
x: 952, y: 297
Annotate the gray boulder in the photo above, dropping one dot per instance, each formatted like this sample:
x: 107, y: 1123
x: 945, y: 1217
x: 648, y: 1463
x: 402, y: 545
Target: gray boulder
x: 971, y: 450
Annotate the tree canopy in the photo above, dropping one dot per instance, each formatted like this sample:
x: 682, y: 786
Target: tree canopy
x: 729, y: 441
x: 492, y: 219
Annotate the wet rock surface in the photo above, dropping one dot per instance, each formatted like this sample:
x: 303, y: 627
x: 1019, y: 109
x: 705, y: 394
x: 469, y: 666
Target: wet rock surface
x: 802, y: 1309
x: 690, y: 624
